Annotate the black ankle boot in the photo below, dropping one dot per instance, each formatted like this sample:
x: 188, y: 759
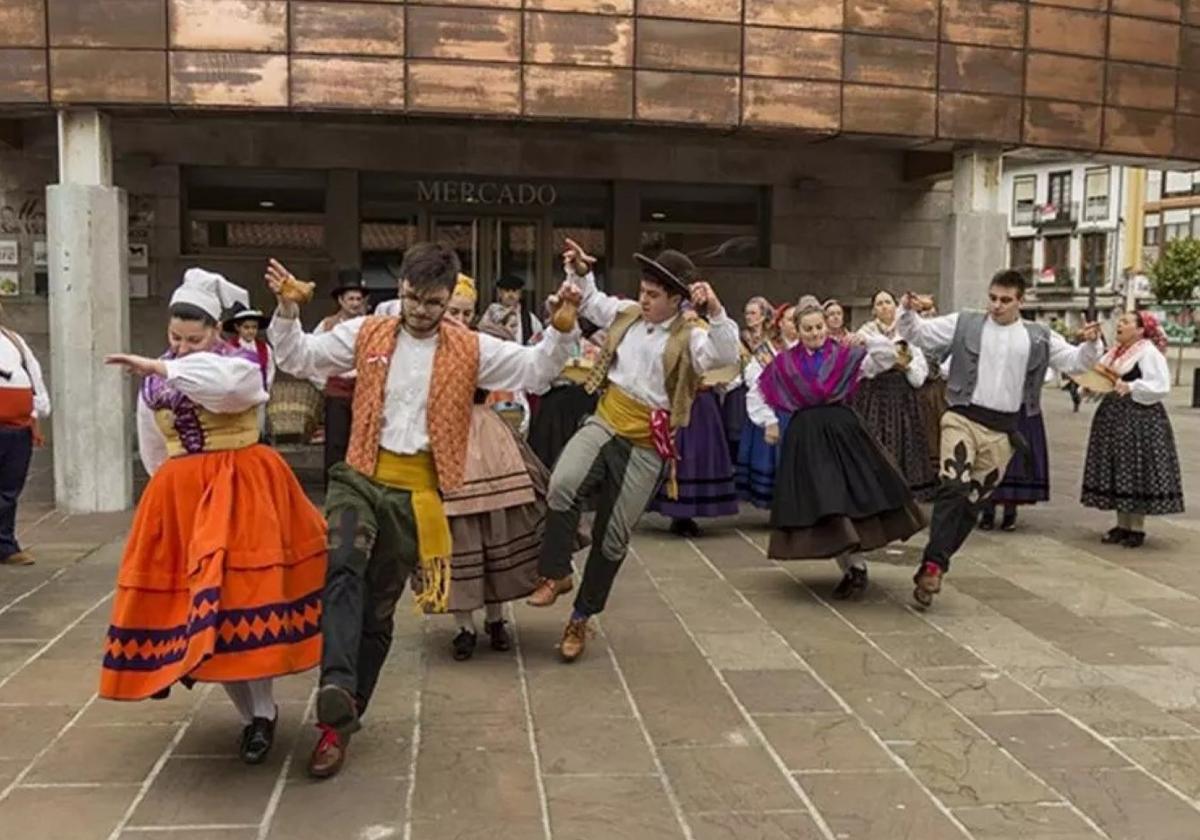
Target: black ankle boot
x: 1135, y: 539
x: 498, y: 633
x: 987, y: 518
x: 1116, y: 536
x: 257, y: 739
x: 463, y: 645
x: 1009, y: 523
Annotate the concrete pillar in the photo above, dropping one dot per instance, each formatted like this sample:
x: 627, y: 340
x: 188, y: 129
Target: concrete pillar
x: 89, y: 318
x: 976, y: 240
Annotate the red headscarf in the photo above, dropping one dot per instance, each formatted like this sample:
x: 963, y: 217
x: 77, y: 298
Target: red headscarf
x: 1151, y: 329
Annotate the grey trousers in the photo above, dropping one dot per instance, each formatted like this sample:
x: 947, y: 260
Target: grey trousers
x: 623, y: 479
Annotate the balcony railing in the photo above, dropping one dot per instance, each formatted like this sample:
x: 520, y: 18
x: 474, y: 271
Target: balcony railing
x: 1056, y: 216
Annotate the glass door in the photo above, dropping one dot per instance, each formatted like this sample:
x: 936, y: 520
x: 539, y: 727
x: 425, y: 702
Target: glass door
x: 463, y: 236
x: 515, y: 254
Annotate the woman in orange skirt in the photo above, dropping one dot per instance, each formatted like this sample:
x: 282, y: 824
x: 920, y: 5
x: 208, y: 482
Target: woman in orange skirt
x: 222, y: 574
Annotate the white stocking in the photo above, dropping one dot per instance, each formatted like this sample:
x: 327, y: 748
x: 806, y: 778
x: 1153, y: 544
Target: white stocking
x: 263, y: 694
x: 494, y: 613
x: 239, y: 693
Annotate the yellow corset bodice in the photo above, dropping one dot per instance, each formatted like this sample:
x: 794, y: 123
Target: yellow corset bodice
x: 212, y: 433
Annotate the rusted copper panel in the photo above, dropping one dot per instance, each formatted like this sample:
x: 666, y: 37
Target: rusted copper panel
x: 913, y: 18
x: 22, y: 23
x: 596, y: 7
x: 1085, y: 5
x: 806, y: 14
x: 590, y: 92
x: 1065, y: 78
x: 971, y: 116
x: 698, y: 98
x: 991, y: 23
x: 491, y: 4
x: 980, y: 70
x: 23, y: 76
x: 1187, y: 136
x: 464, y: 34
x: 229, y: 25
x: 900, y: 62
x: 786, y: 103
x: 1189, y: 93
x: 1148, y: 41
x: 133, y: 24
x: 232, y: 79
x: 1191, y: 12
x: 336, y: 82
x: 1066, y: 31
x: 688, y: 45
x: 1068, y: 125
x: 579, y: 40
x: 348, y: 28
x: 1139, y: 86
x: 1139, y: 132
x: 869, y: 109
x: 102, y: 76
x: 461, y: 87
x: 796, y: 53
x: 1171, y: 10
x: 728, y: 11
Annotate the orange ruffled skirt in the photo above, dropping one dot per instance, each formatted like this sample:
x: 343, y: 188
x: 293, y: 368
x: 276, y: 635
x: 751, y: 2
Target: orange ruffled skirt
x: 221, y: 578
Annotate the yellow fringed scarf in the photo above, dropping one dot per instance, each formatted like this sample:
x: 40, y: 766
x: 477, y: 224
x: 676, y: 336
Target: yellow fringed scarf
x: 418, y: 475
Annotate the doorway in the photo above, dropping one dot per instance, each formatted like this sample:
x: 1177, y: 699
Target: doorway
x: 490, y: 247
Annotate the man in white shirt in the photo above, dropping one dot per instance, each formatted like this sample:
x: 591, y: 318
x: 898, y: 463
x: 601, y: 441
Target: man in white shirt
x: 650, y: 371
x: 510, y: 313
x: 23, y: 400
x: 417, y: 375
x: 998, y: 363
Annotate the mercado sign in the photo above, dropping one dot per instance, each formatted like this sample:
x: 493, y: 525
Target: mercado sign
x: 486, y: 192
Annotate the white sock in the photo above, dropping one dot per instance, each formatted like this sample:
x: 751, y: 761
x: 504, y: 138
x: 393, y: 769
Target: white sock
x: 1123, y: 521
x: 239, y: 693
x: 262, y: 692
x: 851, y: 560
x: 1137, y: 521
x: 494, y: 613
x: 465, y: 619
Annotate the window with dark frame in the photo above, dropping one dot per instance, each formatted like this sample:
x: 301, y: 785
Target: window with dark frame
x: 1056, y: 255
x: 253, y: 211
x: 1094, y: 248
x: 715, y: 225
x: 1096, y: 187
x: 1024, y: 199
x: 1020, y: 255
x: 1150, y: 231
x: 1058, y: 192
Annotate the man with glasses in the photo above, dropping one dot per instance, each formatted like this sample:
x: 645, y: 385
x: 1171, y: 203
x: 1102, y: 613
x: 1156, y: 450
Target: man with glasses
x: 416, y: 378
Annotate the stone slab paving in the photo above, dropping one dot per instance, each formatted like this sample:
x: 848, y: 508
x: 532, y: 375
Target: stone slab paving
x: 1053, y: 693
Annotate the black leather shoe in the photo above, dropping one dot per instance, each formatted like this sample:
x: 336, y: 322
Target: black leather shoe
x: 257, y: 739
x: 987, y: 519
x: 1009, y: 522
x: 852, y: 585
x: 1135, y: 539
x: 498, y: 632
x: 685, y: 528
x: 464, y: 645
x: 1116, y: 536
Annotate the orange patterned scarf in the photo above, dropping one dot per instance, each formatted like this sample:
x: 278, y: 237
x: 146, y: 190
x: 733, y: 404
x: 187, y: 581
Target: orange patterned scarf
x: 451, y: 394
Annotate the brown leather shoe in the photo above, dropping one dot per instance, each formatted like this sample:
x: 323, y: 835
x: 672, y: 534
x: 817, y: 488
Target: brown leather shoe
x: 574, y: 639
x: 329, y: 754
x: 548, y: 590
x: 18, y: 559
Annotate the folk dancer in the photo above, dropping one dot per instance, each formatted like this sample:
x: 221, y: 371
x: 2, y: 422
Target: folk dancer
x: 1132, y: 464
x: 838, y: 493
x: 997, y: 364
x: 758, y: 460
x: 650, y: 371
x: 222, y: 573
x: 417, y: 377
x: 351, y: 297
x: 756, y: 318
x: 248, y: 327
x: 887, y: 400
x: 23, y: 401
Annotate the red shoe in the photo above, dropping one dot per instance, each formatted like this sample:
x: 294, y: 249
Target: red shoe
x: 329, y: 754
x: 928, y: 580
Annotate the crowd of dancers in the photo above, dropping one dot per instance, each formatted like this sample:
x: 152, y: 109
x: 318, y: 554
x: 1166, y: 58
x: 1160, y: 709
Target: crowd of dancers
x: 231, y: 575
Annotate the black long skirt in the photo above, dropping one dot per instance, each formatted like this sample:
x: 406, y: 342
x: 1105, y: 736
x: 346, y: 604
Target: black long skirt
x: 892, y: 413
x: 560, y: 413
x: 837, y: 490
x: 1132, y: 464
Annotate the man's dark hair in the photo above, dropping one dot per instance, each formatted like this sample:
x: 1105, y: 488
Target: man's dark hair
x: 1009, y: 279
x: 191, y: 312
x: 430, y: 265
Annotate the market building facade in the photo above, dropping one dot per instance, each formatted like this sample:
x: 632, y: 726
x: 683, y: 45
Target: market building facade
x: 823, y: 146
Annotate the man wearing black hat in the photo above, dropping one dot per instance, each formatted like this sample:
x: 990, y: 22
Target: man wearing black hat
x: 351, y: 296
x: 510, y: 313
x: 648, y: 372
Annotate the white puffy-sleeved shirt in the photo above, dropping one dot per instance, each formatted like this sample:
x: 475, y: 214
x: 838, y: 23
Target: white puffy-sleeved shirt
x: 15, y: 357
x: 1154, y: 384
x: 638, y: 367
x: 1004, y: 355
x: 918, y: 367
x: 220, y: 384
x: 503, y: 366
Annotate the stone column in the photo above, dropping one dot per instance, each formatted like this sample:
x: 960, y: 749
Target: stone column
x: 976, y: 240
x: 89, y: 318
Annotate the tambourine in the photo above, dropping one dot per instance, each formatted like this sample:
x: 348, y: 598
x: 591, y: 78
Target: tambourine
x: 1098, y: 380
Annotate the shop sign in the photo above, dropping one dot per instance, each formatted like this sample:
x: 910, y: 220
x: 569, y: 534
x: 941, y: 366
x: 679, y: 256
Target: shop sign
x: 487, y: 192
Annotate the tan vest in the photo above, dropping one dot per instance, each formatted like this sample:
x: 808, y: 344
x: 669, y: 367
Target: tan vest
x: 451, y: 396
x: 682, y: 381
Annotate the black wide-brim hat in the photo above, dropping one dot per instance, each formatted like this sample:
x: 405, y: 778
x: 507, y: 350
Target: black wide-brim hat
x: 671, y: 269
x: 349, y: 280
x: 231, y: 321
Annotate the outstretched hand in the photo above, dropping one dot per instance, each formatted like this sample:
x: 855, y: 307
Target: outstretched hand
x: 1090, y: 331
x: 141, y: 365
x: 576, y: 261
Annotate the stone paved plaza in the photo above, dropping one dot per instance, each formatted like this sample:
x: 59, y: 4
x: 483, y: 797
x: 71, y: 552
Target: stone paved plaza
x: 1053, y: 693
